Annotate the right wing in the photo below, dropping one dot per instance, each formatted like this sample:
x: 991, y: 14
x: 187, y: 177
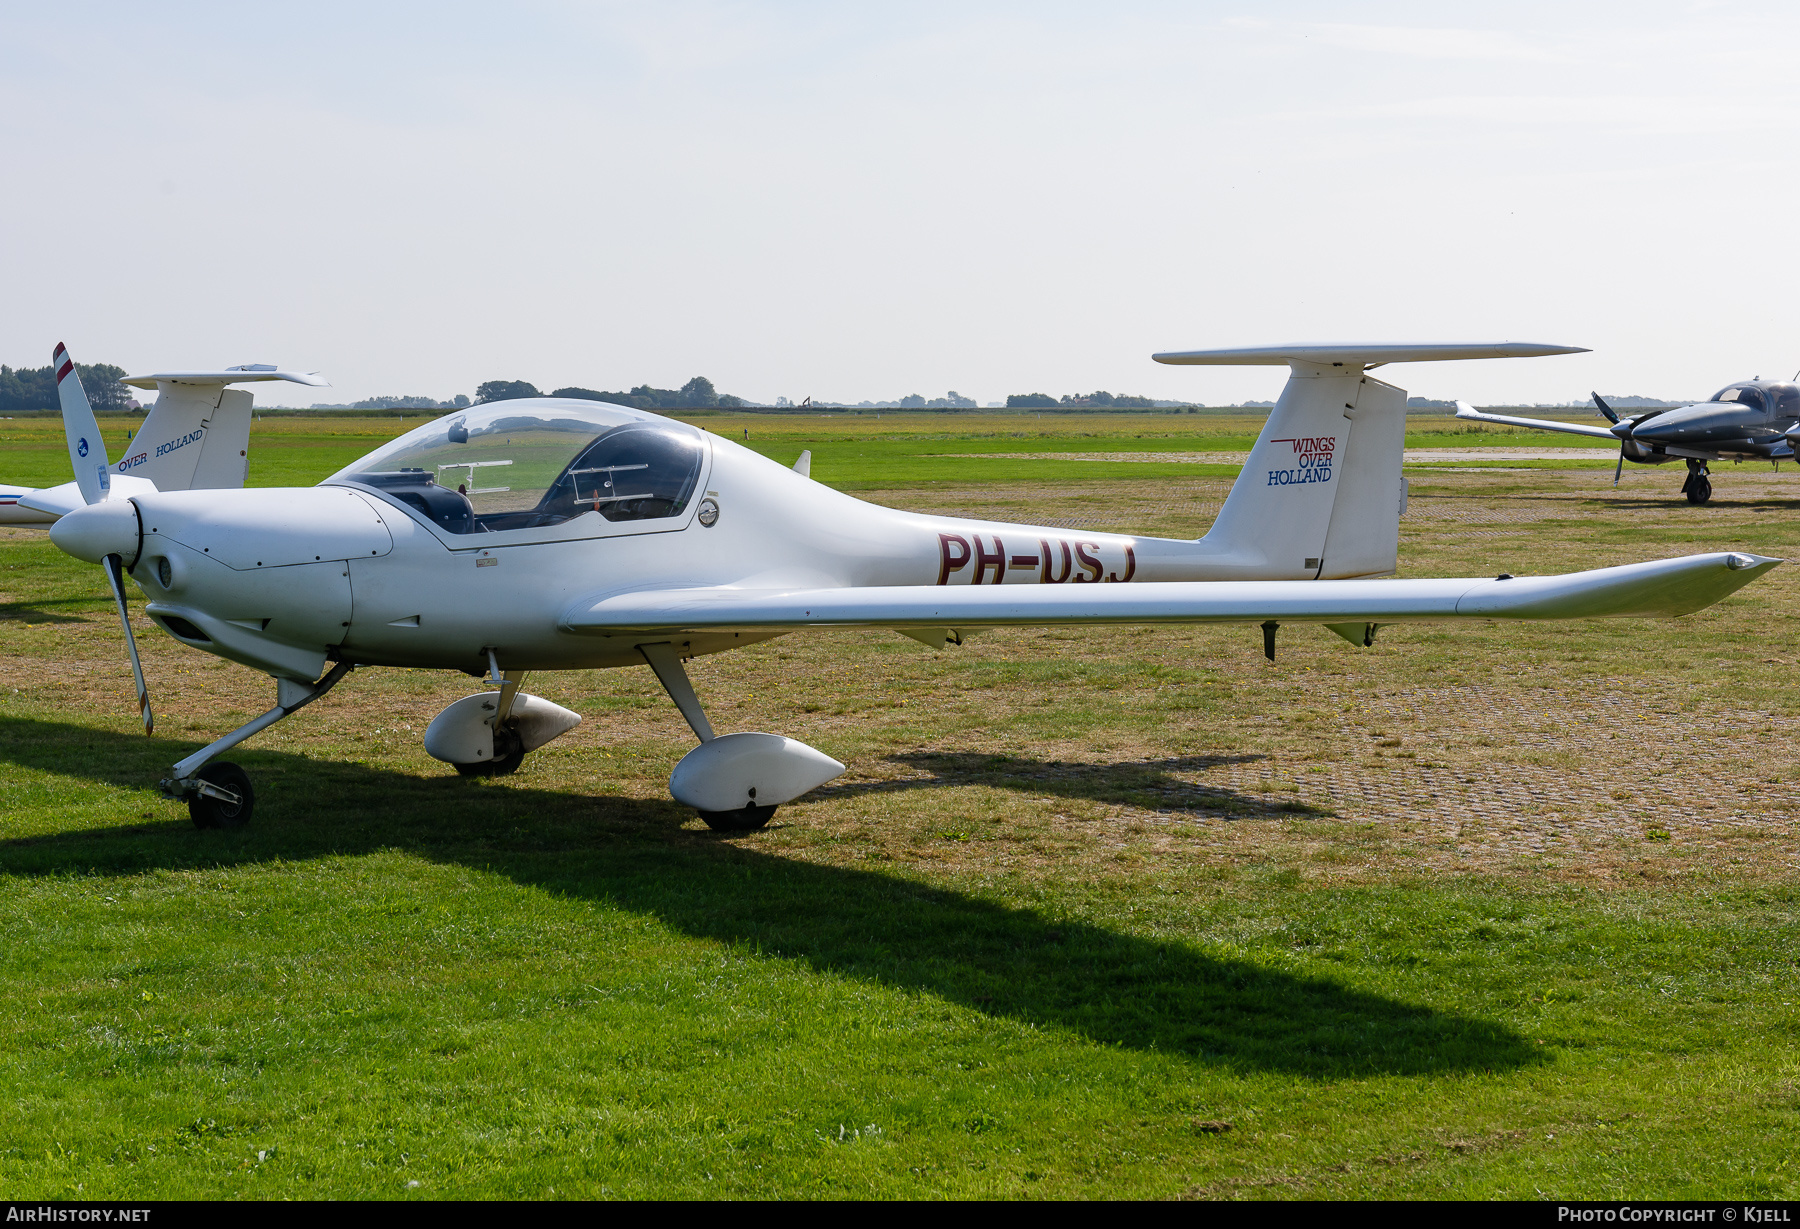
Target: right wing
x: 1663, y: 588
x: 1469, y: 413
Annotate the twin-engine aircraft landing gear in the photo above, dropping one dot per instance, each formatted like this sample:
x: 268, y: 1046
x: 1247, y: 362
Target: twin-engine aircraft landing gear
x: 1698, y: 487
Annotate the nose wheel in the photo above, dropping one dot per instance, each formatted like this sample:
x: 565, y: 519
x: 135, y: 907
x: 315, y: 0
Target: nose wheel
x: 1698, y: 487
x: 224, y: 798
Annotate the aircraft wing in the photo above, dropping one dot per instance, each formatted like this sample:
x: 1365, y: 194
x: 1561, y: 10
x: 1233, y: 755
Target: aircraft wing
x: 1469, y: 413
x: 1664, y: 588
x: 64, y: 499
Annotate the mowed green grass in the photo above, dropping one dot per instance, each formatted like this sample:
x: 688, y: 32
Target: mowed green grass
x: 994, y: 978
x: 860, y: 451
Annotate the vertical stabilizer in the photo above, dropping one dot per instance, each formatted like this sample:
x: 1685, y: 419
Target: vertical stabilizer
x: 225, y: 451
x: 1363, y: 538
x: 167, y: 447
x: 197, y: 435
x: 1278, y: 515
x: 1321, y: 493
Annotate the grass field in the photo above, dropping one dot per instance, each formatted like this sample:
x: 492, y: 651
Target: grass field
x: 1483, y: 911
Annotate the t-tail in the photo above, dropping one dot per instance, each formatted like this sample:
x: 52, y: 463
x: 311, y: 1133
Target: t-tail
x: 197, y: 433
x: 1321, y: 494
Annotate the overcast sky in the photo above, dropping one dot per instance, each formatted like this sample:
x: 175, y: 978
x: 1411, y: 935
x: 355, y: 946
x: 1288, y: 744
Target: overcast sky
x: 862, y: 201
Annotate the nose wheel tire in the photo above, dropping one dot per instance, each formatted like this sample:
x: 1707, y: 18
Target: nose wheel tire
x: 1698, y: 487
x: 748, y: 819
x: 209, y: 812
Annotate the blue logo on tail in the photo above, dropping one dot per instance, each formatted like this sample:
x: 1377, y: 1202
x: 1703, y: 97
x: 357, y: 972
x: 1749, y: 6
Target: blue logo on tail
x: 81, y: 448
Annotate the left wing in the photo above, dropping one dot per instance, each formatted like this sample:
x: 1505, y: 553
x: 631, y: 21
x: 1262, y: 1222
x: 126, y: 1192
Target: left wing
x: 64, y: 499
x: 1469, y: 413
x: 1664, y: 588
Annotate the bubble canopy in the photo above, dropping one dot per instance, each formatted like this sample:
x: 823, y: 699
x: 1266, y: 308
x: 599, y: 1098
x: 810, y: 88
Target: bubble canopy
x: 533, y: 463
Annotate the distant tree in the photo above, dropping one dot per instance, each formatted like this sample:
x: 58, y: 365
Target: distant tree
x: 505, y: 390
x: 101, y: 380
x: 34, y: 388
x: 729, y: 402
x: 404, y: 403
x: 914, y: 402
x: 459, y: 402
x: 1030, y: 401
x: 699, y: 391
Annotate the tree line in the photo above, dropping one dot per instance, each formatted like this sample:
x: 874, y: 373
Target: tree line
x: 24, y: 389
x: 697, y: 393
x: 1044, y: 401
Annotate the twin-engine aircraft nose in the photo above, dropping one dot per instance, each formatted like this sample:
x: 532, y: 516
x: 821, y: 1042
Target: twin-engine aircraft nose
x: 1695, y: 424
x: 98, y: 530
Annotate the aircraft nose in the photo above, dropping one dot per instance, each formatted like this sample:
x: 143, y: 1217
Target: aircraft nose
x: 1694, y: 422
x: 98, y: 530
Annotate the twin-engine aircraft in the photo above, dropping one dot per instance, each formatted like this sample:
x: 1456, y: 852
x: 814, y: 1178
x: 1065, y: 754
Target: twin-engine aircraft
x: 1752, y: 420
x: 195, y: 437
x: 549, y: 534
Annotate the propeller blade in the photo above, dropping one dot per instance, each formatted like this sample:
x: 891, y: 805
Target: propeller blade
x: 1621, y: 467
x: 115, y: 569
x: 87, y: 451
x: 1604, y: 408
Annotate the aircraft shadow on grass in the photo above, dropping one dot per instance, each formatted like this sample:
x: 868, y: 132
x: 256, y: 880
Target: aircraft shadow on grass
x: 1109, y: 987
x: 1718, y: 503
x: 34, y: 612
x: 1141, y: 783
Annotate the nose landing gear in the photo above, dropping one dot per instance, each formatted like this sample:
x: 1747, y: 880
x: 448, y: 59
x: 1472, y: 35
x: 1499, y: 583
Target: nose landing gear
x: 1698, y: 487
x: 219, y: 794
x: 223, y: 798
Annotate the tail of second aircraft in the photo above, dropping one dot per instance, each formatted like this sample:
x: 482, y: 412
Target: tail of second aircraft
x: 1321, y: 493
x: 197, y: 434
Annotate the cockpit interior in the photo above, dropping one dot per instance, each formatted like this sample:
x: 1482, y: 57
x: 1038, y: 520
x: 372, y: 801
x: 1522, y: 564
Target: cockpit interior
x: 530, y: 464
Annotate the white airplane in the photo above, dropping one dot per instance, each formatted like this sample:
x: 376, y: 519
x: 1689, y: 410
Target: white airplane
x: 550, y: 534
x: 195, y: 437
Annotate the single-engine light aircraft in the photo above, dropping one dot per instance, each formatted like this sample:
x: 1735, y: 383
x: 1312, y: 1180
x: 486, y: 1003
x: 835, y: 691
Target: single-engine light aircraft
x: 1752, y: 420
x: 195, y: 437
x: 549, y: 534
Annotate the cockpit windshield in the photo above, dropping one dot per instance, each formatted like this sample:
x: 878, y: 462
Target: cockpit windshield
x: 528, y: 464
x: 1745, y: 394
x: 1784, y: 399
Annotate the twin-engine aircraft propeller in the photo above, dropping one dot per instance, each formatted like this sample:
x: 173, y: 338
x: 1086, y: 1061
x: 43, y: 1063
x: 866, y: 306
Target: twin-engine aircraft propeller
x: 87, y: 456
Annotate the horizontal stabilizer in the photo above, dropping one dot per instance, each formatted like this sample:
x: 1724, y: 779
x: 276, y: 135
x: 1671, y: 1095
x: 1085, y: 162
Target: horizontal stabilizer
x: 1469, y: 413
x: 230, y: 375
x: 1362, y: 353
x: 1664, y: 588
